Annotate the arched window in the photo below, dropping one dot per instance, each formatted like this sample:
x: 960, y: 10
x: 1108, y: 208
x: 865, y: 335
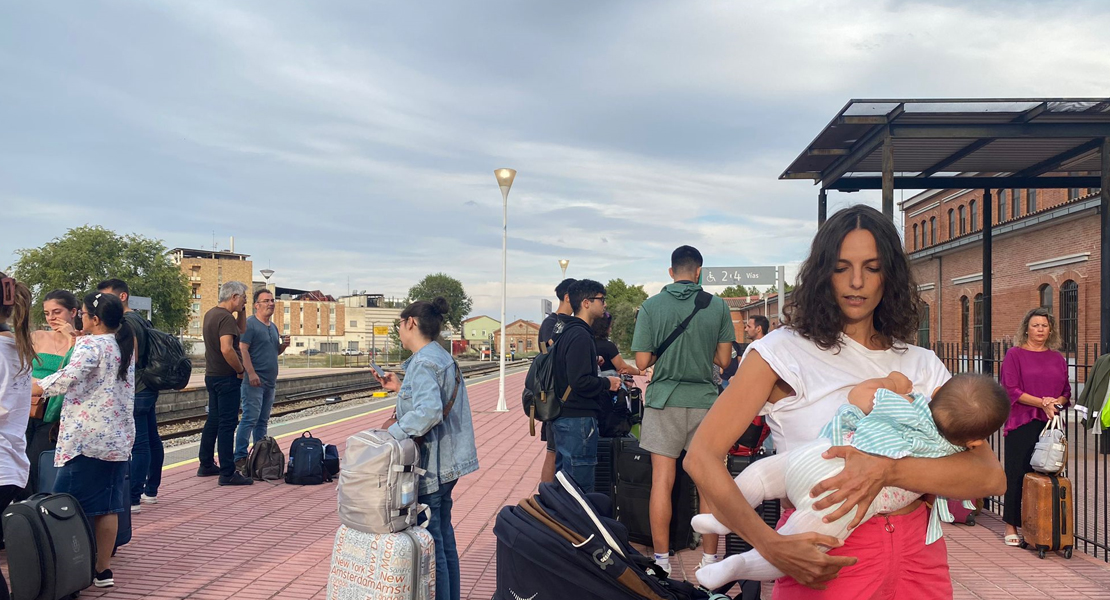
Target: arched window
x: 932, y: 230
x: 964, y: 314
x: 977, y: 332
x: 963, y: 219
x: 1069, y: 315
x: 951, y: 223
x: 923, y: 329
x: 1045, y: 292
x: 915, y: 236
x: 1001, y: 205
x: 1015, y: 203
x: 923, y: 226
x: 974, y: 216
x: 1030, y: 201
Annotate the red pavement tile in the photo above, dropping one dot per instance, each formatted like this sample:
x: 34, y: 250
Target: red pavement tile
x: 274, y: 541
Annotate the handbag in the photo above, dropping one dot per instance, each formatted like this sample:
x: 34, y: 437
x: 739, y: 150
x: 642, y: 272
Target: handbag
x: 1050, y: 454
x: 38, y: 407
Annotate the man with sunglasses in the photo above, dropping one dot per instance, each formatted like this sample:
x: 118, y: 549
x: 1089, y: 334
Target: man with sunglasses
x: 575, y: 367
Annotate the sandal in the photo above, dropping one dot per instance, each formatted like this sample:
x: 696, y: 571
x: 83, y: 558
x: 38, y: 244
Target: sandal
x: 1012, y: 540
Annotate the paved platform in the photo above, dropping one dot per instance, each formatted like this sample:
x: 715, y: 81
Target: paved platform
x: 265, y: 541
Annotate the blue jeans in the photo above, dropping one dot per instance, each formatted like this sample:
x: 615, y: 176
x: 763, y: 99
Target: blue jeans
x: 257, y: 402
x: 219, y: 427
x: 576, y: 448
x: 443, y: 532
x: 147, y: 454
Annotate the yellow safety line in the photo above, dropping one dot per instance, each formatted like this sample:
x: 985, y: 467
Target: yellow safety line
x: 285, y: 435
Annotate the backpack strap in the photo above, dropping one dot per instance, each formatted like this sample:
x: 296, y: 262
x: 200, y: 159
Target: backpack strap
x: 701, y: 301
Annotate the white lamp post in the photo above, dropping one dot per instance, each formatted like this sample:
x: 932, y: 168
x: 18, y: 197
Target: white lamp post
x: 563, y: 265
x: 505, y: 181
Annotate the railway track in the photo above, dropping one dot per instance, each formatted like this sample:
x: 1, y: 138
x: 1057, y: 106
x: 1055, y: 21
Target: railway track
x: 183, y: 426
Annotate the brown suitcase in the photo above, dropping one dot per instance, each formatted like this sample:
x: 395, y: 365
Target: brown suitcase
x: 1046, y: 514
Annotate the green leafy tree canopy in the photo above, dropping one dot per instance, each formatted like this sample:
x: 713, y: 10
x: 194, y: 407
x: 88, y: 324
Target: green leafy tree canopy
x: 737, y: 291
x: 622, y: 300
x: 451, y: 289
x: 87, y: 255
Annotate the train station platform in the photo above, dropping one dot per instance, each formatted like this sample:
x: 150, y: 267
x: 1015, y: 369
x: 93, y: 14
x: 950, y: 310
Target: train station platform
x: 274, y: 541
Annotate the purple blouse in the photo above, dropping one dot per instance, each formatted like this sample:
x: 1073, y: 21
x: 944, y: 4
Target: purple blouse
x: 1039, y: 374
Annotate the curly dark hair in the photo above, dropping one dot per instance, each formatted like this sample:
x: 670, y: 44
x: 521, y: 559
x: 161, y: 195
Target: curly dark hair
x: 812, y: 309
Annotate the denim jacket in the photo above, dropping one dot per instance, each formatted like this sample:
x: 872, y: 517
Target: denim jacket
x: 448, y: 451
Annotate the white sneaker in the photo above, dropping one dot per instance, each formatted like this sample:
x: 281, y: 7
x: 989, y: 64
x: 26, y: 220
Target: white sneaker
x: 135, y: 508
x: 148, y: 499
x: 707, y: 560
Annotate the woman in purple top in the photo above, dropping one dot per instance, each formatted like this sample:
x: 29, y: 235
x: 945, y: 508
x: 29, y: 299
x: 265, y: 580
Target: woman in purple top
x: 1036, y: 377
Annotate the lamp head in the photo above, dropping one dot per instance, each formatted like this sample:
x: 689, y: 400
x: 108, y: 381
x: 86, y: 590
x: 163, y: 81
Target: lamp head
x: 505, y: 178
x: 563, y: 264
x: 267, y: 273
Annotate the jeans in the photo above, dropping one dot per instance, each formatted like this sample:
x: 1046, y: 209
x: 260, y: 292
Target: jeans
x: 147, y: 454
x: 443, y: 532
x: 257, y: 402
x: 576, y: 448
x: 219, y: 427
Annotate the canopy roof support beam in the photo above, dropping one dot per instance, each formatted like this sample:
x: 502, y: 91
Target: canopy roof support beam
x: 955, y: 156
x: 985, y: 334
x: 1104, y: 300
x: 854, y: 184
x: 888, y: 177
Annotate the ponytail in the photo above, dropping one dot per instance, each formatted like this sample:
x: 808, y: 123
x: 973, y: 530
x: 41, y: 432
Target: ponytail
x: 18, y: 316
x: 109, y: 309
x: 125, y: 337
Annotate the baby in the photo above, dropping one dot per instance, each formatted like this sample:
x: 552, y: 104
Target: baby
x: 883, y: 417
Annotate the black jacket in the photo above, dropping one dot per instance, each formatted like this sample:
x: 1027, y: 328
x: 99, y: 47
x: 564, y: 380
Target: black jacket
x: 576, y: 365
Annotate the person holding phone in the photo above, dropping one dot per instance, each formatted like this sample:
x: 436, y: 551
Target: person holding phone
x: 433, y: 407
x: 260, y: 346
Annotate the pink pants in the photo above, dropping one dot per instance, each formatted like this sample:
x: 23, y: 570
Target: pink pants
x: 894, y: 564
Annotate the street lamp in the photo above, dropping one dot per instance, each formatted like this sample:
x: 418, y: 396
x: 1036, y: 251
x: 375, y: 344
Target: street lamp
x: 505, y: 179
x: 563, y: 265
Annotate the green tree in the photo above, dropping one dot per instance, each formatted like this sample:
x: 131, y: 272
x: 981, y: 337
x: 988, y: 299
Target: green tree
x: 88, y: 255
x: 774, y: 289
x: 451, y: 289
x: 736, y: 291
x: 622, y: 301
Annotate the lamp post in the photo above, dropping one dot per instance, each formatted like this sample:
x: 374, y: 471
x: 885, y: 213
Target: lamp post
x: 504, y: 181
x: 563, y: 265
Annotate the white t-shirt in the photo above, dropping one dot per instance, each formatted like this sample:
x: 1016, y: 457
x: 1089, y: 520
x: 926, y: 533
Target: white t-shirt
x: 822, y: 379
x: 15, y: 409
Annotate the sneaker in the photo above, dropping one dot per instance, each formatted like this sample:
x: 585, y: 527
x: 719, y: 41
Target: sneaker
x: 104, y: 579
x: 235, y: 479
x: 708, y: 559
x: 208, y: 471
x: 148, y: 499
x: 135, y: 508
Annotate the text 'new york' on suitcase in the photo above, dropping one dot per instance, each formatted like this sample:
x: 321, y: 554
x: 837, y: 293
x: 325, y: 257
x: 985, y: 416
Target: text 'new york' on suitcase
x: 382, y: 566
x: 1046, y: 514
x: 56, y: 554
x: 633, y: 494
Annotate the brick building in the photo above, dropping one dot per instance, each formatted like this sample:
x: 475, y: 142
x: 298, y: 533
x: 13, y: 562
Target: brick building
x: 522, y: 334
x: 205, y: 271
x: 312, y: 319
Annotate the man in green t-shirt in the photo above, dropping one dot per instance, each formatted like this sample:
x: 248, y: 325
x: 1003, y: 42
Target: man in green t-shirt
x: 681, y: 389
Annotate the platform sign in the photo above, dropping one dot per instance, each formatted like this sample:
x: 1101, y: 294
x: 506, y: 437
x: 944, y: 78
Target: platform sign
x: 738, y: 275
x: 381, y: 330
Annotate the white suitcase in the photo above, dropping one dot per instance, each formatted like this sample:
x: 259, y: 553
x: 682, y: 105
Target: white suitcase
x: 382, y: 566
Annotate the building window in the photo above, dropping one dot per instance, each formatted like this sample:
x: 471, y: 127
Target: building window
x: 978, y: 315
x: 1069, y: 315
x: 331, y: 310
x: 331, y: 327
x: 964, y: 313
x: 1030, y: 201
x: 300, y: 344
x: 1015, y: 203
x: 354, y: 323
x: 951, y: 223
x: 923, y: 329
x: 285, y: 328
x: 932, y: 230
x: 963, y: 219
x: 915, y: 236
x: 352, y: 345
x: 1045, y: 292
x: 286, y: 310
x: 1001, y: 205
x: 974, y: 216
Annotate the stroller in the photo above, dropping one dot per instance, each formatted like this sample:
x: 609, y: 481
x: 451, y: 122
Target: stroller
x: 557, y: 545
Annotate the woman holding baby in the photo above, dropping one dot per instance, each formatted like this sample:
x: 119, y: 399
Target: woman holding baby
x: 855, y: 304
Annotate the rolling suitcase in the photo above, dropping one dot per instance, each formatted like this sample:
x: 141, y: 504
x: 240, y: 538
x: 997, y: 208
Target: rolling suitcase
x: 57, y: 552
x: 1046, y: 514
x: 632, y: 494
x: 382, y: 566
x: 605, y: 481
x: 962, y: 515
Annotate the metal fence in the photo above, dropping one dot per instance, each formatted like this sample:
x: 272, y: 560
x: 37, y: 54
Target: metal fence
x: 1089, y: 453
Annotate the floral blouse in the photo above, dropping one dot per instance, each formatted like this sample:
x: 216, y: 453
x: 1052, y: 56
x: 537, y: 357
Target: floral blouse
x: 98, y: 412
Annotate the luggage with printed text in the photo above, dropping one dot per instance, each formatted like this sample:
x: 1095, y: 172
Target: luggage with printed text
x: 382, y: 566
x: 51, y: 548
x: 1047, y: 522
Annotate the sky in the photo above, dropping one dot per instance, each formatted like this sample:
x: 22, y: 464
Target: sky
x: 350, y: 145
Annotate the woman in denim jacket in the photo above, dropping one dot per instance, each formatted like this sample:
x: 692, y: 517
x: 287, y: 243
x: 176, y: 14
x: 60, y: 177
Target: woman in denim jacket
x: 447, y: 450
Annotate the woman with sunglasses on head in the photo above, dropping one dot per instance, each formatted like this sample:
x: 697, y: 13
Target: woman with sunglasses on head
x: 53, y: 348
x: 97, y: 422
x: 609, y: 356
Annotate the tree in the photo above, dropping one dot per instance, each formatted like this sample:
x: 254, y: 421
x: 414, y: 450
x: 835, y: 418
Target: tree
x: 736, y: 291
x: 774, y: 289
x: 451, y: 289
x: 88, y: 255
x: 622, y: 300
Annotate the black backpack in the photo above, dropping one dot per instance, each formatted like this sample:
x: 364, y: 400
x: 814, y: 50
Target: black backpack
x: 539, y: 398
x: 306, y: 461
x: 162, y: 359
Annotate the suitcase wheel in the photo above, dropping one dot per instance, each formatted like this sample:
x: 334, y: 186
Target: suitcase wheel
x: 970, y: 521
x: 1041, y: 552
x: 1067, y: 552
x: 1023, y: 544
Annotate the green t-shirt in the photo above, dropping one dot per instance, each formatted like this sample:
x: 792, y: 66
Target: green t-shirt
x: 684, y: 374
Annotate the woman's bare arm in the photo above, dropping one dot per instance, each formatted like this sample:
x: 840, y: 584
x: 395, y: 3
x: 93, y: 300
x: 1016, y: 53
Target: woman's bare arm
x: 623, y: 367
x: 796, y: 555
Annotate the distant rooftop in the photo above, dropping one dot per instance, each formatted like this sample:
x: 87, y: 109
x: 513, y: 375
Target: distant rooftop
x: 209, y: 254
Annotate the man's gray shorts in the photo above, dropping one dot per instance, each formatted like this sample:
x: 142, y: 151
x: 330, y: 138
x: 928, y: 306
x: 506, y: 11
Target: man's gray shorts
x: 669, y: 431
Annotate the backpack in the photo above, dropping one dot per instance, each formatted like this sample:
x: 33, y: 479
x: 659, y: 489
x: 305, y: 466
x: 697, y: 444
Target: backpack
x: 331, y: 461
x: 539, y: 397
x: 306, y: 461
x: 164, y: 366
x: 266, y: 461
x: 378, y: 486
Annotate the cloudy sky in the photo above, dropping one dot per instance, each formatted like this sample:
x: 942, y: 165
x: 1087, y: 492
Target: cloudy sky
x: 355, y: 141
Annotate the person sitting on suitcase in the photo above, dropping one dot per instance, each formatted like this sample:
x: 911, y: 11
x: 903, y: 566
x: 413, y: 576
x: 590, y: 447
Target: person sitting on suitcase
x: 884, y: 417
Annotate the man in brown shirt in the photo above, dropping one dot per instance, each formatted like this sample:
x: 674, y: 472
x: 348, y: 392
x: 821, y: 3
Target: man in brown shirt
x: 223, y: 372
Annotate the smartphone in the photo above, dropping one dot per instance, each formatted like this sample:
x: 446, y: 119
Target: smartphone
x: 377, y: 369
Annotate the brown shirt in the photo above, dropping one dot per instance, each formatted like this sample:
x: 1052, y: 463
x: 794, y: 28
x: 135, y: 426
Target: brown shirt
x: 219, y: 322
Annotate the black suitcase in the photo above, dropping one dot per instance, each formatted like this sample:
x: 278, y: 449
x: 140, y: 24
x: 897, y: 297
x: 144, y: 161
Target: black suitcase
x: 48, y: 473
x: 605, y: 481
x: 770, y: 509
x: 632, y: 496
x: 56, y: 555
